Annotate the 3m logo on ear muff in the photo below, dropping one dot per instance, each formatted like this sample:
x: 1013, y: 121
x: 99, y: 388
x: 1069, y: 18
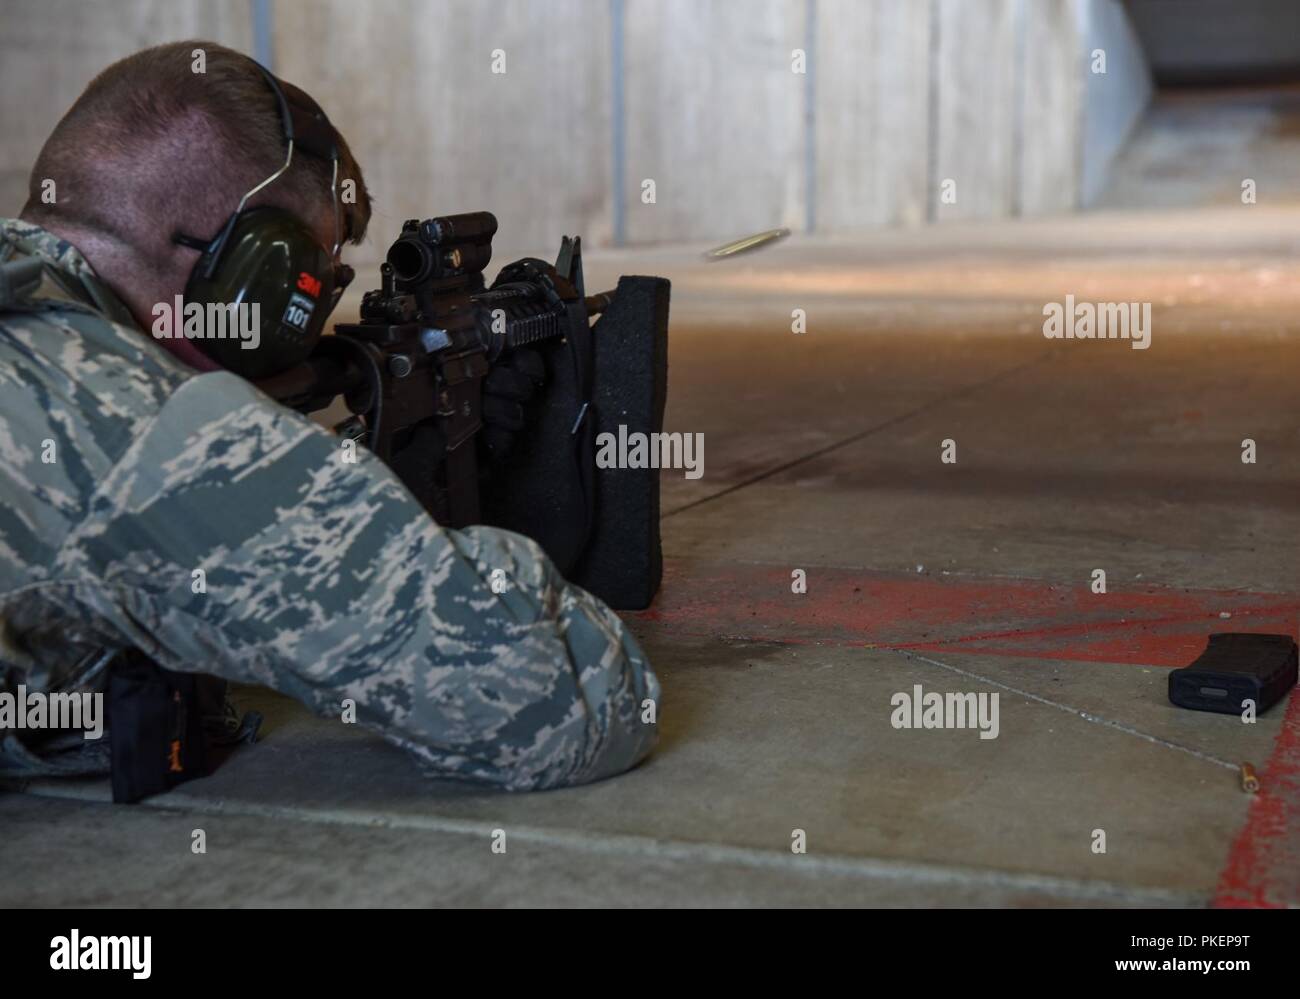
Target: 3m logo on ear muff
x: 309, y: 284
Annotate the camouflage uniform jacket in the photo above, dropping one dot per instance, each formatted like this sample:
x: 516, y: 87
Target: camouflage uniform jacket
x: 145, y: 504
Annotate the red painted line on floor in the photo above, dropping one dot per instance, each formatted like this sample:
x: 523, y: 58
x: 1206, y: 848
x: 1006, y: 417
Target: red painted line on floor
x: 1263, y: 867
x: 1146, y: 625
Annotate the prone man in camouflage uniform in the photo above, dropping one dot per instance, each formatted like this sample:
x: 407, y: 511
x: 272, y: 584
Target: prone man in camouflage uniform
x: 130, y: 467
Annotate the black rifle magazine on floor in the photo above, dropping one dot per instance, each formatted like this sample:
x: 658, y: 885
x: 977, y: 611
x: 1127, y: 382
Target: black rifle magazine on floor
x: 1234, y: 668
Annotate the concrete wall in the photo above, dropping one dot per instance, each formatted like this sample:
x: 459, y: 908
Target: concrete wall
x: 1050, y: 99
x: 714, y: 117
x: 976, y: 73
x: 1113, y: 100
x: 598, y: 96
x: 411, y: 84
x: 871, y: 113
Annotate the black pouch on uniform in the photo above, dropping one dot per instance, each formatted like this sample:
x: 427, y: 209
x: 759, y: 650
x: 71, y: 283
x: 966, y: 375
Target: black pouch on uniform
x: 156, y: 728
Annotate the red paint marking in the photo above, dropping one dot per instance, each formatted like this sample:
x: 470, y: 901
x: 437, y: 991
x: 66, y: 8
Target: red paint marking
x: 1263, y: 867
x: 1149, y: 626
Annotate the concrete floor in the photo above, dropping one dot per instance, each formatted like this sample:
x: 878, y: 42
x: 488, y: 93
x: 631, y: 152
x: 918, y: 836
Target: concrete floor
x: 1196, y: 147
x: 823, y: 453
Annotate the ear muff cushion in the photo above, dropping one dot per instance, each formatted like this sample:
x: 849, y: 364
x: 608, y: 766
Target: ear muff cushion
x: 274, y: 268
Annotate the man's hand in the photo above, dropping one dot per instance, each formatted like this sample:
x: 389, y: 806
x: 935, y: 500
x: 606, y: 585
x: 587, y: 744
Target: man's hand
x: 508, y: 390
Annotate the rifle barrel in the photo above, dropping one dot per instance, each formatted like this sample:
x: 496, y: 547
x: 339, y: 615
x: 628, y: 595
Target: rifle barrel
x: 597, y: 304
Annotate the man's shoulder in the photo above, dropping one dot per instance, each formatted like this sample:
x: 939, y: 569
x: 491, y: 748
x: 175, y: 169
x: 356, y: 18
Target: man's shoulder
x: 61, y: 355
x: 96, y: 419
x: 77, y: 391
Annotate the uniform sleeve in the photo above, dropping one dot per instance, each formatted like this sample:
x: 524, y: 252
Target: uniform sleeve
x: 234, y: 538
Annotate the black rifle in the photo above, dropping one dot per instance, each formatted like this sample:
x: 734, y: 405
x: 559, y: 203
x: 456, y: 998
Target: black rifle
x: 411, y: 374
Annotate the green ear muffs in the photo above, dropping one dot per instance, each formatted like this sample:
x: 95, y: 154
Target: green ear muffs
x: 264, y: 281
x: 280, y: 281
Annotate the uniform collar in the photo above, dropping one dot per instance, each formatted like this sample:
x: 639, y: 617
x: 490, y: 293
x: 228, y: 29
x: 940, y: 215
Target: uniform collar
x: 68, y: 274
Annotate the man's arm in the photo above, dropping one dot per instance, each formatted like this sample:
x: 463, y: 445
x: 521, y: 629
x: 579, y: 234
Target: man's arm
x: 324, y: 579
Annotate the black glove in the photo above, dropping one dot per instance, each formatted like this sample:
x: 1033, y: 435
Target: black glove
x: 511, y: 385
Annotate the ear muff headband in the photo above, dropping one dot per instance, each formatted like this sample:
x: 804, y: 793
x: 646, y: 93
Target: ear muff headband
x: 304, y: 125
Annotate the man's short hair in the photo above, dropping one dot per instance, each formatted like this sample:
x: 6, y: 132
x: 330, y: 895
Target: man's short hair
x: 154, y: 146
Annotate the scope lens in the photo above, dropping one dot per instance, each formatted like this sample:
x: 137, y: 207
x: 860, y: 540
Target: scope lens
x: 408, y: 260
